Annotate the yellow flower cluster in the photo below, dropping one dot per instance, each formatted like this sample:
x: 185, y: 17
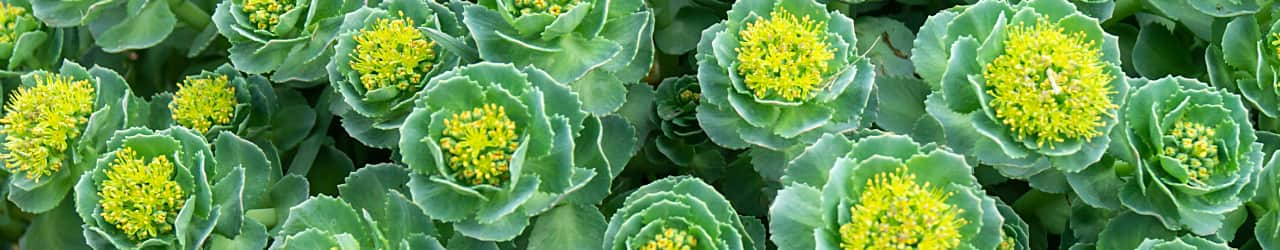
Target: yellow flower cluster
x: 265, y: 14
x: 784, y: 56
x: 140, y: 198
x: 1049, y: 84
x: 671, y: 239
x: 553, y: 7
x: 9, y: 15
x: 895, y: 212
x: 1192, y: 144
x: 479, y: 144
x: 1006, y: 242
x: 40, y: 122
x: 202, y: 102
x: 392, y: 52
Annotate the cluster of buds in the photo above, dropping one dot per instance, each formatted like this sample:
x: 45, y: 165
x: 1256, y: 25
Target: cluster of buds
x: 480, y: 143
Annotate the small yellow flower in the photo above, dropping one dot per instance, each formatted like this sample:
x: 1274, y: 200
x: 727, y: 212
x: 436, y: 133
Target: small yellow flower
x: 140, y: 197
x: 896, y: 212
x: 9, y: 15
x: 553, y: 7
x: 479, y: 144
x: 1049, y: 84
x: 41, y: 121
x: 203, y: 102
x: 671, y: 239
x: 1006, y: 242
x: 784, y: 56
x: 265, y: 14
x: 1192, y: 144
x: 392, y: 52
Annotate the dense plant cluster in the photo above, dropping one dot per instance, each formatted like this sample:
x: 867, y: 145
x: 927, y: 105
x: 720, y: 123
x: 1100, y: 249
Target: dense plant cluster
x: 640, y: 124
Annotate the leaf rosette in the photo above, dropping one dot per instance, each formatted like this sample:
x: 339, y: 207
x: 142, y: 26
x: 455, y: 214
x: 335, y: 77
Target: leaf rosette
x: 118, y: 26
x: 1135, y: 231
x: 678, y: 213
x: 781, y: 73
x: 682, y: 140
x: 1030, y: 88
x: 212, y: 102
x: 159, y: 189
x: 886, y: 191
x: 596, y: 47
x: 26, y: 43
x: 1265, y: 205
x: 291, y: 39
x: 1187, y: 155
x: 1246, y: 60
x: 55, y: 125
x: 372, y: 212
x: 491, y: 145
x: 383, y: 60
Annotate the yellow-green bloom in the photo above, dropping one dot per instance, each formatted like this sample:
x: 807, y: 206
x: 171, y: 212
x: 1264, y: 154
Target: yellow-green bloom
x: 393, y: 53
x: 883, y: 191
x: 265, y: 14
x: 553, y: 7
x: 1194, y: 145
x: 9, y: 17
x: 139, y: 195
x: 42, y: 121
x: 1050, y: 84
x: 785, y: 56
x: 204, y: 101
x: 896, y: 210
x: 479, y: 143
x: 671, y: 239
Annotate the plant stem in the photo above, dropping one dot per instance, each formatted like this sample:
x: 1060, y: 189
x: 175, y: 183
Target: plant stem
x: 190, y: 14
x: 1124, y: 9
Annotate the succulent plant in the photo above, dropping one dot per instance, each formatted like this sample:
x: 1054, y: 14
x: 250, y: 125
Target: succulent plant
x: 1030, y: 88
x: 596, y: 47
x: 383, y: 61
x: 1134, y: 231
x: 159, y: 189
x: 374, y: 211
x: 491, y: 145
x: 1246, y: 59
x: 1187, y: 156
x: 778, y: 74
x: 885, y: 191
x: 27, y: 44
x: 55, y: 124
x: 678, y: 213
x: 118, y: 26
x: 291, y: 39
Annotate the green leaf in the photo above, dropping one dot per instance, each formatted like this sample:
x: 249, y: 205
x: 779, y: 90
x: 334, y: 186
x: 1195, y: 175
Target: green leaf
x: 56, y: 229
x: 795, y: 216
x: 568, y: 227
x: 118, y: 30
x: 566, y: 58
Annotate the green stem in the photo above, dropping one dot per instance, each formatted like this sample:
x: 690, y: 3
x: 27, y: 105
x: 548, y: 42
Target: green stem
x: 190, y: 14
x: 266, y: 216
x: 1124, y: 9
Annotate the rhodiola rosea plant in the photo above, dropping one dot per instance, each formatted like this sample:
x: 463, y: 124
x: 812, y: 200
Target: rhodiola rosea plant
x: 639, y: 124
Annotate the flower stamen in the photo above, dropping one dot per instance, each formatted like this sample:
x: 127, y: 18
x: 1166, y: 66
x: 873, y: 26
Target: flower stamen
x: 41, y: 121
x: 479, y: 144
x: 203, y: 102
x: 393, y: 53
x: 896, y: 212
x: 671, y: 239
x: 140, y: 197
x: 784, y: 56
x: 1192, y: 144
x: 1049, y: 84
x: 266, y: 13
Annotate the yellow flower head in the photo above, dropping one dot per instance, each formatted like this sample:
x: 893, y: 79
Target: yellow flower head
x: 265, y: 14
x: 40, y: 122
x: 1006, y: 242
x: 392, y: 53
x: 671, y: 239
x: 479, y: 144
x: 784, y: 56
x: 1275, y: 43
x: 140, y: 197
x: 9, y: 15
x: 895, y: 212
x: 202, y: 102
x: 553, y: 7
x: 1049, y: 84
x: 1192, y: 144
